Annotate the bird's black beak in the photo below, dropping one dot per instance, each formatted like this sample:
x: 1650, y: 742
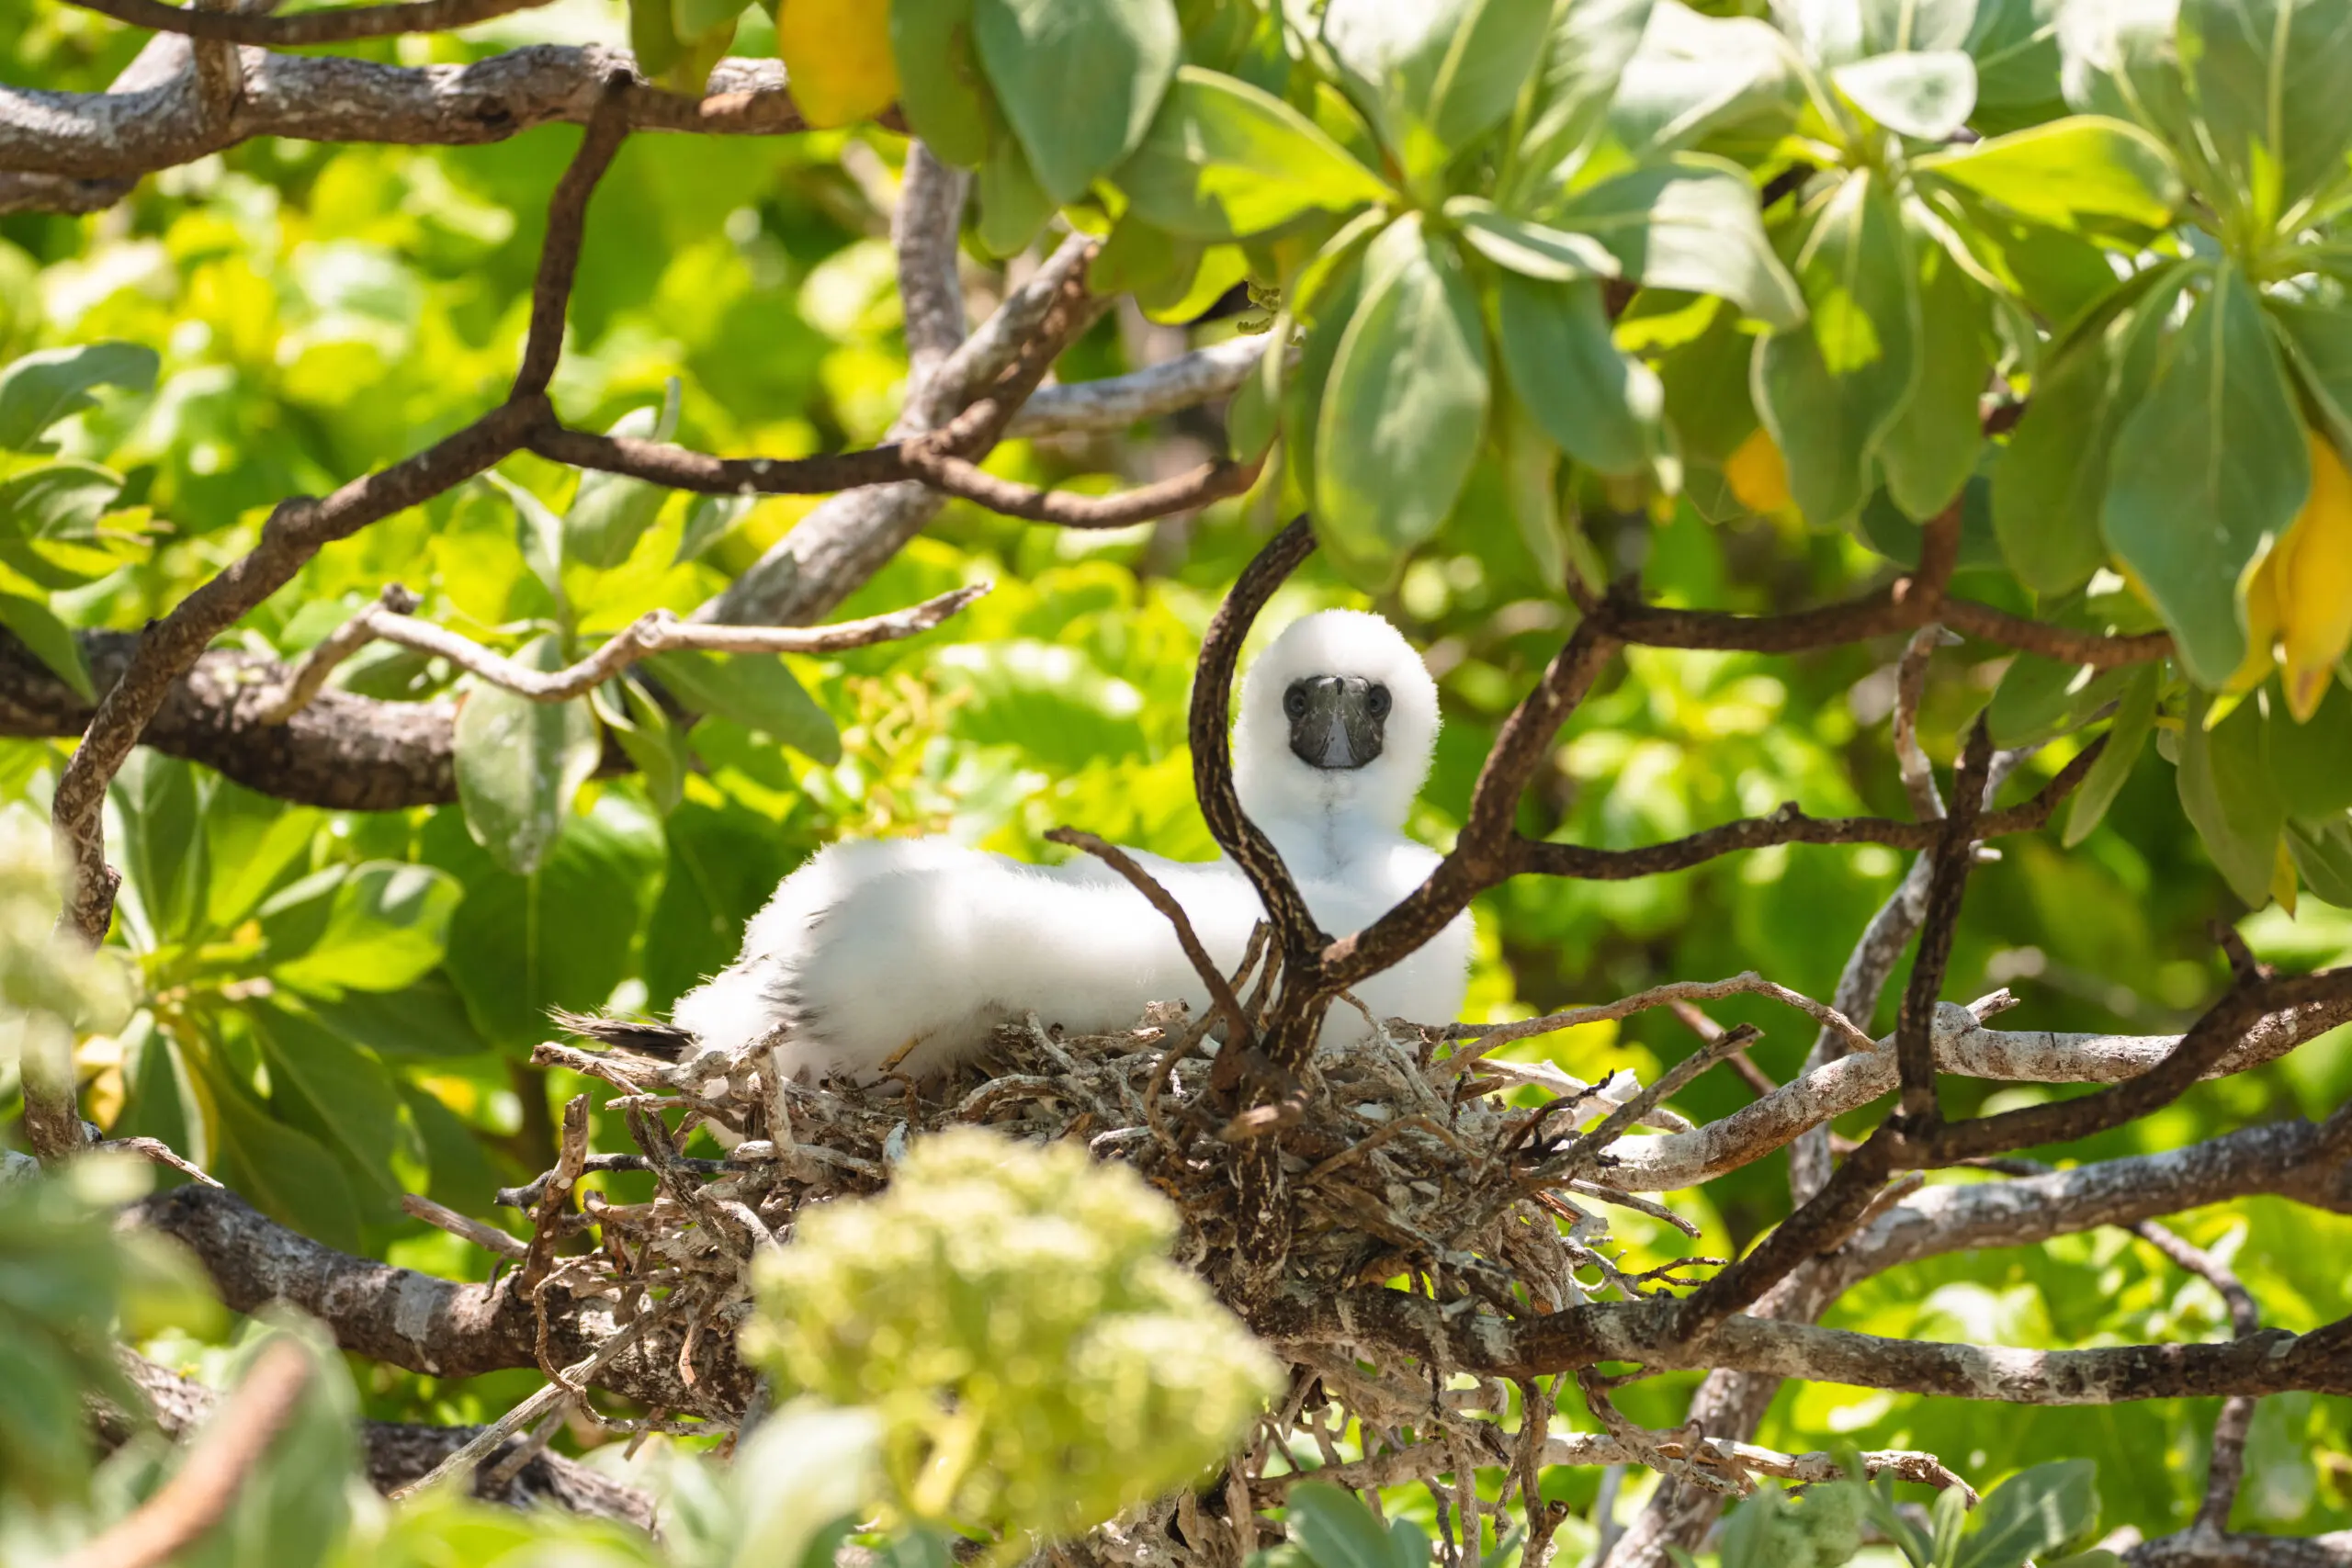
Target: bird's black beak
x: 1335, y: 721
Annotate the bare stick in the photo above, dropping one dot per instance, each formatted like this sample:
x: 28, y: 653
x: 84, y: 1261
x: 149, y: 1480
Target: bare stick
x: 1221, y: 995
x: 488, y: 1237
x: 656, y: 631
x: 1747, y: 983
x: 311, y: 27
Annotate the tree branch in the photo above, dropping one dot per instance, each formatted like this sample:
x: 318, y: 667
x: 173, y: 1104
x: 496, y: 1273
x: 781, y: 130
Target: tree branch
x: 310, y: 27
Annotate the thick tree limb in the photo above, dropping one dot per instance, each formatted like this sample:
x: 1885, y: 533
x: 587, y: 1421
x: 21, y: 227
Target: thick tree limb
x: 1113, y: 404
x: 131, y: 132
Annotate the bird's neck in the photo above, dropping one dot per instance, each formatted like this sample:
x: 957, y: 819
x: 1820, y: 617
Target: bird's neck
x: 1325, y: 845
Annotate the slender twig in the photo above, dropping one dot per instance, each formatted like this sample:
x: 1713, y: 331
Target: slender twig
x: 308, y: 27
x: 1185, y: 492
x: 656, y: 631
x: 199, y: 1496
x: 1748, y: 983
x: 487, y: 1237
x: 1221, y: 998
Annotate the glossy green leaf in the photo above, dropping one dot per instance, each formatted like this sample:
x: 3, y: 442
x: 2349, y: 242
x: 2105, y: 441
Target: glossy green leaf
x: 1532, y: 475
x: 1585, y: 52
x: 2039, y: 699
x: 1333, y: 305
x: 709, y: 518
x: 1407, y: 397
x: 2226, y: 791
x: 649, y: 738
x: 2015, y: 45
x: 654, y: 37
x: 2318, y: 343
x: 424, y: 1022
x: 560, y: 937
x: 284, y: 1173
x: 1013, y: 207
x: 1931, y: 449
x: 1253, y: 415
x: 2061, y: 278
x: 1604, y: 407
x: 520, y: 762
x: 162, y: 859
x: 2051, y: 486
x: 611, y: 512
x: 1225, y: 159
x: 349, y: 1092
x: 2084, y: 167
x: 2032, y: 1513
x: 40, y: 389
x: 2206, y: 470
x: 539, y: 532
x: 1947, y: 1517
x: 2311, y: 763
x: 1214, y: 271
x: 52, y: 641
x: 1079, y: 80
x: 1924, y: 94
x: 2321, y: 852
x: 941, y: 89
x: 1336, y: 1531
x: 376, y: 927
x: 1528, y: 249
x: 2270, y: 77
x: 255, y: 842
x: 1688, y: 224
x: 56, y: 501
x: 1433, y: 77
x: 1707, y: 398
x: 1830, y: 391
x: 2135, y: 720
x: 753, y: 689
x: 1696, y: 75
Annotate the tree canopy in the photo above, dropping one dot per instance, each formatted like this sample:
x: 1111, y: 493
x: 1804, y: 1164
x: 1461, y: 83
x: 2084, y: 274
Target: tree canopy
x: 488, y: 488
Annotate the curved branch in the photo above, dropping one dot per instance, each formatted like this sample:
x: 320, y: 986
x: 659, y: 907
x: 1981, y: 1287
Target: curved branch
x: 1185, y: 492
x: 1118, y: 402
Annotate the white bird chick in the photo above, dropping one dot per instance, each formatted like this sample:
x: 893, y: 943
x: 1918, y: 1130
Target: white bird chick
x: 918, y: 950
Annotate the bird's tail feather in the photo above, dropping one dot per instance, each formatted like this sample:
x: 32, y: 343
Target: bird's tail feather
x: 663, y: 1040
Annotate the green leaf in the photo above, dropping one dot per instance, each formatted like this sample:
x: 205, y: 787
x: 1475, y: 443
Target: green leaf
x: 1225, y: 159
x: 709, y: 518
x: 647, y: 735
x: 696, y: 18
x: 350, y: 1092
x: 1604, y: 407
x: 1948, y: 1514
x: 611, y: 512
x: 164, y: 863
x: 2039, y: 699
x: 941, y: 89
x: 654, y: 37
x: 2135, y: 720
x: 2035, y: 1511
x: 1688, y: 224
x: 2318, y: 343
x: 1890, y: 25
x: 253, y: 841
x: 1830, y: 391
x: 2226, y: 792
x: 2321, y: 852
x: 1253, y: 415
x: 2084, y: 167
x: 520, y: 762
x: 1531, y: 477
x: 285, y: 1174
x: 559, y: 937
x: 1528, y: 249
x: 56, y: 502
x: 50, y: 641
x: 1400, y: 421
x: 754, y: 690
x: 1695, y: 75
x: 1013, y: 207
x: 426, y: 1021
x: 1931, y: 449
x: 538, y: 533
x: 2310, y: 763
x: 1335, y: 1529
x: 1927, y: 95
x: 1586, y: 52
x: 1707, y: 398
x: 2050, y: 487
x: 1433, y: 77
x: 379, y: 927
x: 2270, y: 77
x: 2015, y: 45
x: 40, y: 389
x: 2208, y: 470
x: 1080, y: 80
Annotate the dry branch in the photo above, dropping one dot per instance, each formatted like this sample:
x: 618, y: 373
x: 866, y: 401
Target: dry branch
x: 308, y: 27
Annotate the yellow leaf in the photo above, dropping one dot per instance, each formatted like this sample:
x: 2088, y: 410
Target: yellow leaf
x: 2261, y: 622
x: 1757, y: 473
x: 2315, y: 582
x: 837, y: 55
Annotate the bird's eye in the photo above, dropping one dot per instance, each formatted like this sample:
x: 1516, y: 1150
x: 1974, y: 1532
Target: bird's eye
x: 1295, y: 702
x: 1377, y: 702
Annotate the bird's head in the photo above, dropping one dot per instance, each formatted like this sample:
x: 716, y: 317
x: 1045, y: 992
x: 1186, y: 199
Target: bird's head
x: 1337, y: 715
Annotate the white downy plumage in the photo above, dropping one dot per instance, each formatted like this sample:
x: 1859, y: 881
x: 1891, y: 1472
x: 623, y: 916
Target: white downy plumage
x: 881, y: 947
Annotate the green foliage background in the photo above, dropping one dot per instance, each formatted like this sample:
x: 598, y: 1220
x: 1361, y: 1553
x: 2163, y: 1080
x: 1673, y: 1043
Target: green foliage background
x: 328, y: 1025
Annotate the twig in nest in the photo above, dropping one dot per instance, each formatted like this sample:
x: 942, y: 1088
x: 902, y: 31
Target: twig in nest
x: 1490, y: 1036
x: 1221, y: 995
